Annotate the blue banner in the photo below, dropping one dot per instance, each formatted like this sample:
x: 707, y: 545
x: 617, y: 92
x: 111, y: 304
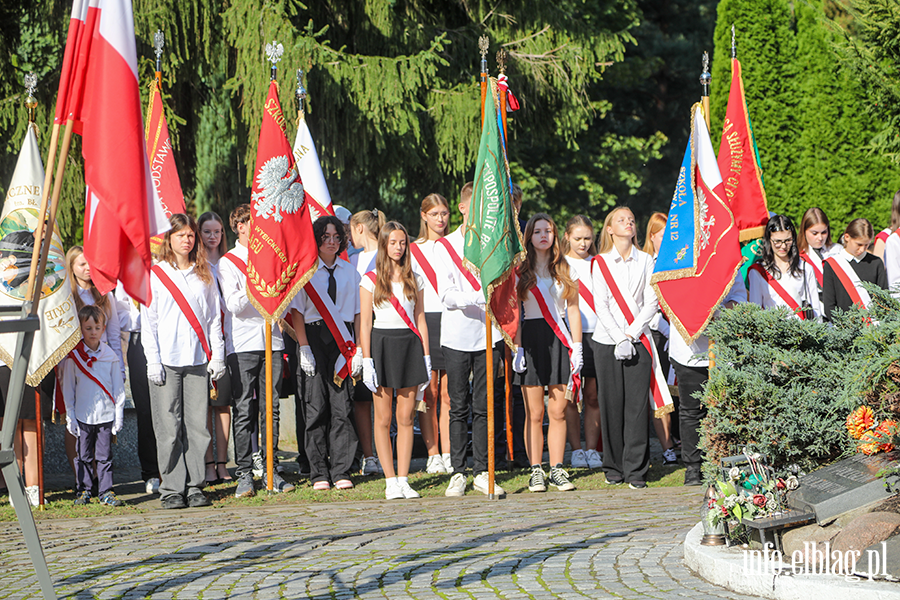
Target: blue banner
x: 677, y: 251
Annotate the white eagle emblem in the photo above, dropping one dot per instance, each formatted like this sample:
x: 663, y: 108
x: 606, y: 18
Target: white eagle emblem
x: 280, y: 190
x: 705, y: 223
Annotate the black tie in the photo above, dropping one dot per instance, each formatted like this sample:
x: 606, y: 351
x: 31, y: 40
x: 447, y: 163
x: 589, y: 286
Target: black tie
x: 332, y: 283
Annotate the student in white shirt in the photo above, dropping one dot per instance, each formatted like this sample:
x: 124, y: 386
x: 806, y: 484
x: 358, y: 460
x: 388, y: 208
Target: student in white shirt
x: 624, y: 366
x: 94, y: 394
x: 463, y: 342
x: 364, y: 228
x: 394, y: 339
x: 814, y: 242
x: 324, y: 356
x: 780, y: 262
x: 435, y: 422
x: 212, y: 235
x: 85, y: 294
x: 178, y: 362
x: 881, y: 238
x: 543, y: 359
x: 245, y: 345
x: 578, y: 244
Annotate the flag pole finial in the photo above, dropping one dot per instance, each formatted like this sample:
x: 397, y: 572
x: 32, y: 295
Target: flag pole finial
x: 301, y: 91
x: 483, y: 44
x: 733, y: 43
x: 274, y: 51
x: 705, y: 76
x: 31, y: 102
x: 501, y: 60
x: 159, y: 42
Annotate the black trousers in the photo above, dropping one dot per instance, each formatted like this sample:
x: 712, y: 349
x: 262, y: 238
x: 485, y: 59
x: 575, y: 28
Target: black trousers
x: 659, y: 342
x: 692, y: 411
x: 248, y: 393
x: 459, y: 365
x: 140, y: 393
x: 623, y: 393
x: 331, y: 440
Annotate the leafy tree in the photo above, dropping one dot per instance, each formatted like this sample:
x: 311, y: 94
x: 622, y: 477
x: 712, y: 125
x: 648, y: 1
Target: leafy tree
x: 806, y: 113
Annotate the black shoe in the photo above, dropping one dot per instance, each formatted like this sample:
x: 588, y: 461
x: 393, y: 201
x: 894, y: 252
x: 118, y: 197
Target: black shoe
x: 173, y: 501
x: 692, y: 476
x: 637, y: 485
x: 198, y: 499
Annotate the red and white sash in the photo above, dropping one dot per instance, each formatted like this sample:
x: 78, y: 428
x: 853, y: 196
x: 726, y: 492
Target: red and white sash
x: 587, y: 296
x: 427, y: 269
x: 884, y: 234
x: 395, y: 302
x: 237, y: 261
x: 551, y: 315
x: 815, y: 261
x: 660, y: 398
x: 850, y: 280
x: 330, y: 314
x: 454, y: 256
x: 84, y: 362
x: 779, y: 289
x: 188, y: 308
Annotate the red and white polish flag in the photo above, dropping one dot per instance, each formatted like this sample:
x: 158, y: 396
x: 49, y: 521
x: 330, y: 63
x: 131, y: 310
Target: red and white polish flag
x: 310, y: 170
x: 121, y: 212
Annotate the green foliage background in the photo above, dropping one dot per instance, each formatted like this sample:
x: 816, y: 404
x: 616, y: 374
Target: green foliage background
x: 605, y: 85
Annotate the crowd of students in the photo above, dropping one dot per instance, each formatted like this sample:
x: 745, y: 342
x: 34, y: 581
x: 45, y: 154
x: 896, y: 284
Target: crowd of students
x: 399, y: 329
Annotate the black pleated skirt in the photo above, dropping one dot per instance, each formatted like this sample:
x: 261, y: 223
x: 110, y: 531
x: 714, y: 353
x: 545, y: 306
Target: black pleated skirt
x: 433, y: 320
x: 546, y: 358
x: 399, y: 359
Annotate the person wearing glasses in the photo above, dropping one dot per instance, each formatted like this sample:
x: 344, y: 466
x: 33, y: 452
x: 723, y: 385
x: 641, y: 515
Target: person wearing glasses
x: 780, y: 278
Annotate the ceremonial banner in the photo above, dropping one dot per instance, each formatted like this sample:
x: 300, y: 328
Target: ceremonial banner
x: 105, y: 106
x: 493, y: 242
x: 283, y: 251
x: 166, y: 185
x: 700, y: 253
x: 311, y: 173
x: 73, y: 43
x: 59, y: 330
x: 739, y: 163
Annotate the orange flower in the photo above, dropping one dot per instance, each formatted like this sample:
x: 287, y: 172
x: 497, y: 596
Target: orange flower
x: 860, y: 421
x: 886, y: 430
x: 870, y: 443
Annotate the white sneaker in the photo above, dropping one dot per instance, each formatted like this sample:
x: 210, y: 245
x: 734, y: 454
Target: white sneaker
x: 407, y: 491
x: 579, y: 459
x: 457, y: 485
x: 435, y: 464
x: 392, y: 490
x: 259, y: 467
x: 593, y: 459
x: 33, y: 494
x: 481, y: 484
x: 448, y: 464
x: 152, y: 485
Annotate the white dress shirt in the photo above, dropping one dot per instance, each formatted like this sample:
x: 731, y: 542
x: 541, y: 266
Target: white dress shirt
x: 530, y: 307
x: 462, y: 322
x: 580, y: 270
x: 433, y: 302
x: 803, y: 287
x: 245, y: 327
x: 695, y: 355
x: 166, y: 334
x: 386, y: 316
x: 84, y: 399
x: 347, y: 302
x: 632, y: 275
x: 112, y: 335
x: 891, y: 259
x: 128, y: 310
x: 364, y: 261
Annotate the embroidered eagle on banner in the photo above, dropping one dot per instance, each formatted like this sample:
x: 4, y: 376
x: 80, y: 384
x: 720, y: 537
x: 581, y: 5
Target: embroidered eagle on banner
x: 281, y: 191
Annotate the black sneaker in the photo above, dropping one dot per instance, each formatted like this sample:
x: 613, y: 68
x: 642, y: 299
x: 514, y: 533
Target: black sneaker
x: 245, y: 488
x: 198, y: 499
x: 537, y: 483
x: 560, y: 479
x: 173, y: 501
x: 692, y: 476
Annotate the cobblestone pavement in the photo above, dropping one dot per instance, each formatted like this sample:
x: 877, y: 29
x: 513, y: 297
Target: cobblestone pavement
x: 592, y: 544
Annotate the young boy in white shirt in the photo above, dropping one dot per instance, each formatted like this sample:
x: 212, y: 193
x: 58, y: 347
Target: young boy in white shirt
x: 94, y: 394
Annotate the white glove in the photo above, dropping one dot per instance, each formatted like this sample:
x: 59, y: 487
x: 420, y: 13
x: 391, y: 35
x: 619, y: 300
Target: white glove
x: 577, y: 359
x: 117, y: 425
x: 425, y: 385
x: 216, y: 369
x: 307, y: 361
x: 624, y: 350
x: 156, y: 374
x: 356, y: 364
x: 370, y: 377
x: 519, y: 360
x: 478, y: 299
x: 72, y: 426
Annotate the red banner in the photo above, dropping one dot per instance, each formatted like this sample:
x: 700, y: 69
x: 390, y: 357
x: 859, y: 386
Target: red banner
x: 283, y: 251
x: 159, y: 151
x: 739, y: 163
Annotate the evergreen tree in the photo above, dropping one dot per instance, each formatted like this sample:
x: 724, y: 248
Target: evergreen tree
x: 807, y: 114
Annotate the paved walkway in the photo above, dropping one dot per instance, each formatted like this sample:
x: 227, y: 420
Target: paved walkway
x: 620, y: 543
